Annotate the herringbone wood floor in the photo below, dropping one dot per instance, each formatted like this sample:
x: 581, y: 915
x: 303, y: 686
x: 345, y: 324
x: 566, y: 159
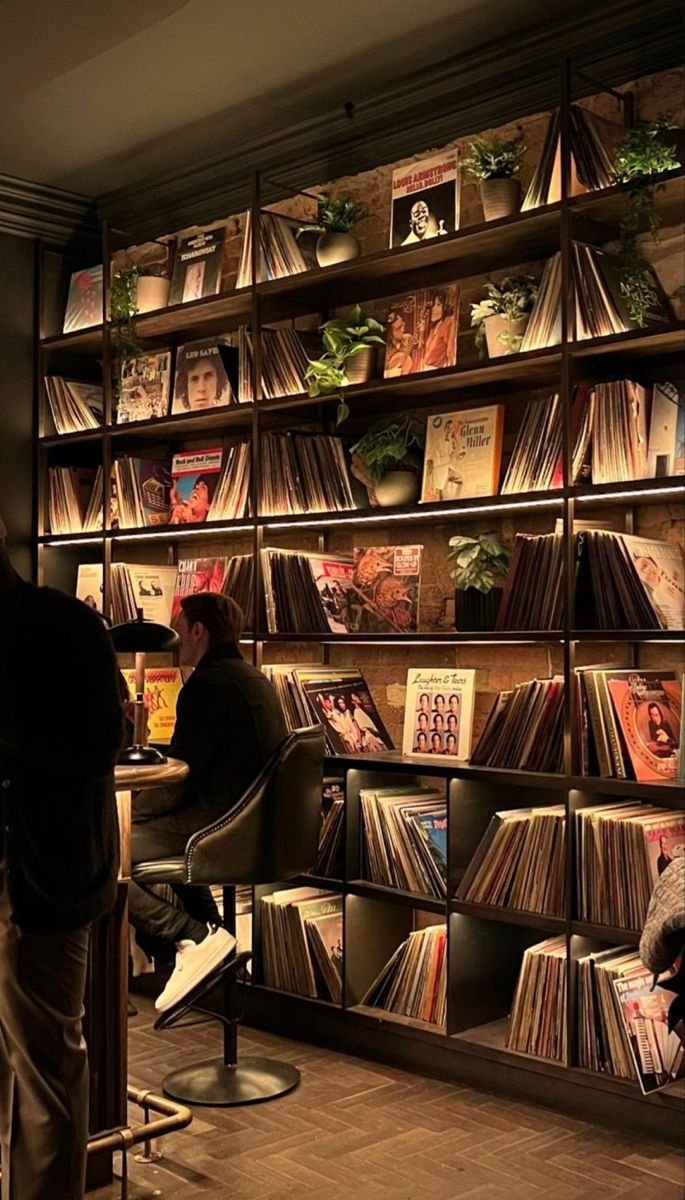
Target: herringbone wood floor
x: 354, y: 1130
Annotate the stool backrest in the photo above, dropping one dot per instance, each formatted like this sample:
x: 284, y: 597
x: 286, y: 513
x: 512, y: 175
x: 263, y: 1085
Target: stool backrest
x: 272, y: 833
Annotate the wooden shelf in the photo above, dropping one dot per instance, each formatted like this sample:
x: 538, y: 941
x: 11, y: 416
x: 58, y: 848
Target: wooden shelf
x: 665, y: 791
x: 415, y: 514
x: 532, y: 369
x: 470, y: 251
x: 449, y: 638
x: 652, y: 340
x: 378, y: 891
x: 410, y: 765
x: 382, y: 1016
x: 82, y: 341
x: 606, y: 933
x: 608, y: 204
x: 230, y: 419
x: 509, y: 916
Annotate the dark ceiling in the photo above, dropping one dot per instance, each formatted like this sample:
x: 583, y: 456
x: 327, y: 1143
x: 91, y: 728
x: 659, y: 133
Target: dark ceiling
x: 97, y: 96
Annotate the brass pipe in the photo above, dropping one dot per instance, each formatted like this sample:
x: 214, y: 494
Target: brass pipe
x: 174, y: 1116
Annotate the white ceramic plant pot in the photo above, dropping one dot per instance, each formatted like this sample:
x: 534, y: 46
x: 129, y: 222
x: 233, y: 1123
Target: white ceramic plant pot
x: 152, y: 292
x: 334, y: 248
x: 494, y: 328
x: 397, y: 487
x: 500, y: 197
x: 361, y: 367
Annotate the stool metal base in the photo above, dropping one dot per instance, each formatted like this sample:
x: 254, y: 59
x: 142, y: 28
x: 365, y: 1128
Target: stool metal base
x: 213, y: 1083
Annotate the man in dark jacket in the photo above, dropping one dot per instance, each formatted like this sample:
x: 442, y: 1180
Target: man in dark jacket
x: 60, y: 732
x: 229, y: 721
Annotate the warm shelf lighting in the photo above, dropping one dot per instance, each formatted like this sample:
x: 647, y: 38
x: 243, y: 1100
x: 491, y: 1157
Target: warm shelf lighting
x: 174, y: 532
x: 75, y: 541
x: 664, y: 491
x: 383, y: 518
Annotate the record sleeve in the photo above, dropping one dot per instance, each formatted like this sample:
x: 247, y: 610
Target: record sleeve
x: 658, y: 1055
x: 421, y: 332
x: 206, y: 375
x: 195, y: 476
x: 342, y: 703
x: 425, y: 200
x: 84, y: 302
x: 463, y: 452
x: 438, y: 713
x: 385, y: 589
x: 89, y: 585
x: 197, y: 266
x: 647, y: 705
x: 162, y: 686
x: 144, y: 385
x: 196, y: 575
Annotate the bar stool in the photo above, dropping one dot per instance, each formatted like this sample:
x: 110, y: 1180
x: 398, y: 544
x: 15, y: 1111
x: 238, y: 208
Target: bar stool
x: 271, y: 835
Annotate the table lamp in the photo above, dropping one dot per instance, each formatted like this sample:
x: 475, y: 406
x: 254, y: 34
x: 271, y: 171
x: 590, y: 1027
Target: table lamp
x: 141, y: 637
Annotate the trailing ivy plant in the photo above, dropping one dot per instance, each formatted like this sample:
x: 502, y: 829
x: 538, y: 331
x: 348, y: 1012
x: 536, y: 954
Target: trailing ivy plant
x: 493, y: 158
x: 391, y: 445
x: 641, y: 155
x: 343, y: 339
x: 123, y: 307
x: 480, y: 562
x: 513, y: 298
x: 335, y: 215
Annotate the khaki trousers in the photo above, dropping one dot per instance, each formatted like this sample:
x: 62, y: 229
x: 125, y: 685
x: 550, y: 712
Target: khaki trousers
x: 43, y: 1061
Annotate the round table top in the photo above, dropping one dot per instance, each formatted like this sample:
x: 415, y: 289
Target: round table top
x: 138, y: 778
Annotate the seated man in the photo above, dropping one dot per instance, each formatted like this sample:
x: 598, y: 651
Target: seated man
x: 229, y: 721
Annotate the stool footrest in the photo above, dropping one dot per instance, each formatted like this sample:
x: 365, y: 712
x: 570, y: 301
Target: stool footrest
x: 212, y: 1083
x: 234, y: 963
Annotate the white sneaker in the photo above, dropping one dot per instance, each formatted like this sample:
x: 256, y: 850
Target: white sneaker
x: 194, y: 962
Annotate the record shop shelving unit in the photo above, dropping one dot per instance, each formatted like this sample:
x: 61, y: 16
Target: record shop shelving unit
x: 485, y: 943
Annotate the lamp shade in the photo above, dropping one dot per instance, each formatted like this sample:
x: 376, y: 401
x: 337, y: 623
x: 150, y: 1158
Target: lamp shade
x: 143, y: 637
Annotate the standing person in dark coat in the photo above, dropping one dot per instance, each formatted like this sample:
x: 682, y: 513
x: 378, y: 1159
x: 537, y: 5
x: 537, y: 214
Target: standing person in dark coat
x: 60, y: 732
x: 229, y: 721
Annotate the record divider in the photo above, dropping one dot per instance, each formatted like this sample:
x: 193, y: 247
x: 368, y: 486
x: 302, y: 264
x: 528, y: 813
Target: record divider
x: 407, y: 1044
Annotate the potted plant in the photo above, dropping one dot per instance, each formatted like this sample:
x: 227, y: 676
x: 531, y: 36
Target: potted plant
x: 501, y: 319
x: 494, y: 163
x: 335, y: 219
x: 349, y: 355
x: 388, y: 459
x: 152, y: 290
x: 480, y: 565
x: 644, y: 152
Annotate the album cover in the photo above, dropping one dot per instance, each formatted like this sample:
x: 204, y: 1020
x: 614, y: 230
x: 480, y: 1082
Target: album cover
x: 197, y: 575
x: 195, y: 476
x: 144, y: 384
x: 197, y: 266
x: 421, y: 333
x: 463, y: 453
x: 425, y: 200
x: 384, y: 597
x: 162, y: 686
x: 647, y: 705
x: 342, y: 703
x: 202, y: 380
x: 438, y: 713
x: 84, y: 302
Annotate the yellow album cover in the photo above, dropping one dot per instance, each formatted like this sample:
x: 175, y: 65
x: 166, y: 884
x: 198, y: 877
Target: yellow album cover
x: 162, y: 685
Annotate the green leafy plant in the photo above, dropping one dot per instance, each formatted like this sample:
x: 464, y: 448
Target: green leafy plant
x: 343, y: 339
x: 643, y: 152
x: 641, y: 155
x: 391, y: 445
x: 493, y: 158
x: 123, y: 306
x: 513, y: 298
x: 480, y: 562
x: 335, y: 215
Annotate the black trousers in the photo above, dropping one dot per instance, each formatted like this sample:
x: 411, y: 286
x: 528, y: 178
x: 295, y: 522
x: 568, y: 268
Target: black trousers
x: 43, y: 1060
x: 159, y: 924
